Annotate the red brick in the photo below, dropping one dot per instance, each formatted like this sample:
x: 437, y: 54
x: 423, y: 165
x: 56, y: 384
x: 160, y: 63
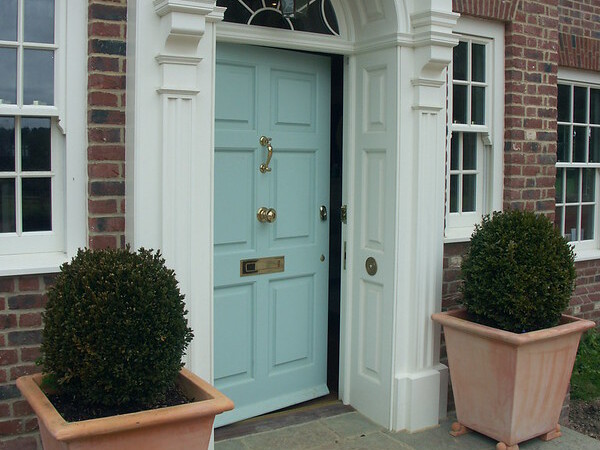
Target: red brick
x: 104, y: 81
x: 106, y: 153
x: 30, y: 320
x: 107, y: 188
x: 103, y: 64
x: 107, y: 224
x: 22, y: 408
x: 30, y: 425
x: 102, y: 206
x: 8, y: 321
x: 30, y: 354
x: 20, y: 443
x: 8, y: 427
x: 105, y: 29
x: 8, y: 357
x: 26, y: 301
x: 7, y: 285
x: 29, y: 283
x: 19, y: 371
x: 105, y: 135
x: 99, y: 98
x: 102, y: 241
x: 104, y: 170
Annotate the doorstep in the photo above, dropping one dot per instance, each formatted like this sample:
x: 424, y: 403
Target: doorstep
x: 352, y: 431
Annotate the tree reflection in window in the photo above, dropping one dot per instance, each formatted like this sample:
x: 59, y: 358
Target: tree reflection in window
x: 319, y: 16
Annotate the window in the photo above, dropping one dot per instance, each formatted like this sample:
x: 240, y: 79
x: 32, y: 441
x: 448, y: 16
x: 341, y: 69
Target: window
x: 475, y: 127
x: 33, y: 142
x: 578, y: 161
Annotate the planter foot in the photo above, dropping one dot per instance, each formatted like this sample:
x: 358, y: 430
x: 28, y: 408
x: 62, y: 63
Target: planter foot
x: 458, y: 429
x: 503, y: 446
x: 551, y: 434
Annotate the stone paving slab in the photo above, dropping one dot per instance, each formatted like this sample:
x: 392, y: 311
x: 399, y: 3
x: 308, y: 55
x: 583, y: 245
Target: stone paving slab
x: 352, y: 431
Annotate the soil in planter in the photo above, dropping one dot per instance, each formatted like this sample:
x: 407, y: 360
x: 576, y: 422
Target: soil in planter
x: 73, y: 411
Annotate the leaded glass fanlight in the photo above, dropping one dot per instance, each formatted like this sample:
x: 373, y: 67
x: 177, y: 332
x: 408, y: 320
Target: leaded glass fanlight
x: 315, y: 16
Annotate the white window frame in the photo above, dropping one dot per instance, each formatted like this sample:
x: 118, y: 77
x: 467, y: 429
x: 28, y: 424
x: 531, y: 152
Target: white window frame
x: 44, y: 252
x: 588, y: 249
x: 490, y: 169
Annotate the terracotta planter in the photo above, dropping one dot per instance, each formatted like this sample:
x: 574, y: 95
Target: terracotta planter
x: 182, y: 427
x: 509, y: 386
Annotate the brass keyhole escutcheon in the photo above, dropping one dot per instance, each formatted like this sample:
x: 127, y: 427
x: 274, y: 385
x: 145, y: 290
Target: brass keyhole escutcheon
x: 266, y: 215
x: 371, y: 266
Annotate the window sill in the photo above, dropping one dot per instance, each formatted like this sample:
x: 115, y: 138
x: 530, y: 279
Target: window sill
x: 456, y: 239
x: 31, y: 264
x: 587, y: 255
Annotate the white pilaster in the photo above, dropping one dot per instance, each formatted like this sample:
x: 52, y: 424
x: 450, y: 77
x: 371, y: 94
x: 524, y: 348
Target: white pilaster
x: 169, y: 151
x: 420, y: 381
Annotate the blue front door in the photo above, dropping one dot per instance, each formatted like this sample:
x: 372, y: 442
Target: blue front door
x: 270, y: 268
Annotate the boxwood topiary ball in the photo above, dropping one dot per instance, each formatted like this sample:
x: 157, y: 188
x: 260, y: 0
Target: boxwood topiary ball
x: 518, y: 274
x: 115, y: 328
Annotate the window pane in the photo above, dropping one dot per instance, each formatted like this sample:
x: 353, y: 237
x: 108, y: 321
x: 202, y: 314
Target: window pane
x: 478, y: 105
x: 573, y: 185
x: 595, y: 106
x: 39, y: 21
x: 587, y: 222
x: 38, y: 77
x: 594, y: 144
x: 564, y: 103
x: 588, y: 185
x: 571, y: 214
x: 579, y: 104
x: 35, y: 144
x: 460, y: 61
x: 8, y: 75
x: 7, y: 205
x: 558, y: 218
x: 469, y: 194
x: 579, y: 144
x: 564, y: 143
x: 559, y: 186
x: 455, y: 151
x: 37, y: 207
x: 7, y: 144
x: 478, y: 61
x: 8, y: 20
x: 454, y: 193
x: 469, y: 151
x: 459, y: 104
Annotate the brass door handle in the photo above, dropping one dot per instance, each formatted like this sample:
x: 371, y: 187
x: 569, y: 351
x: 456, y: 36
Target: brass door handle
x: 268, y: 215
x: 266, y: 142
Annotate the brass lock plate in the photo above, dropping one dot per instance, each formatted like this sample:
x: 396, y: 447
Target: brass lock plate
x: 262, y: 266
x: 371, y: 266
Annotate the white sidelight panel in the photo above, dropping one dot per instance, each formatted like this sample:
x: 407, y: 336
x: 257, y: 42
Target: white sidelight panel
x: 371, y: 227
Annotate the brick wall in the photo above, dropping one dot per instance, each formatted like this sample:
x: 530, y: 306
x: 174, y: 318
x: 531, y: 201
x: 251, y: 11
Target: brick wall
x: 22, y: 299
x: 107, y: 31
x: 579, y: 34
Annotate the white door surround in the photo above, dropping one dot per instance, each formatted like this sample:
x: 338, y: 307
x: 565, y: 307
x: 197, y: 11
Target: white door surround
x: 394, y: 163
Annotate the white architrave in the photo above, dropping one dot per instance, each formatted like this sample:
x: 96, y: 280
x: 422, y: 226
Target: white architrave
x: 170, y: 171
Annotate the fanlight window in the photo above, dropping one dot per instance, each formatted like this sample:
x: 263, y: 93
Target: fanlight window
x: 314, y: 16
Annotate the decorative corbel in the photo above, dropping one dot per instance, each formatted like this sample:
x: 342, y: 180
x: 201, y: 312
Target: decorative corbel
x: 183, y: 22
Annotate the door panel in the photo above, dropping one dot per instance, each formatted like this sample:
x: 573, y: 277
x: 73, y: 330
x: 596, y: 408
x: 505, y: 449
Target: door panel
x: 271, y: 329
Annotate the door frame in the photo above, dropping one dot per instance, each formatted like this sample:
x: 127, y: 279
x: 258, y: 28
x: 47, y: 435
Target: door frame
x: 169, y: 170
